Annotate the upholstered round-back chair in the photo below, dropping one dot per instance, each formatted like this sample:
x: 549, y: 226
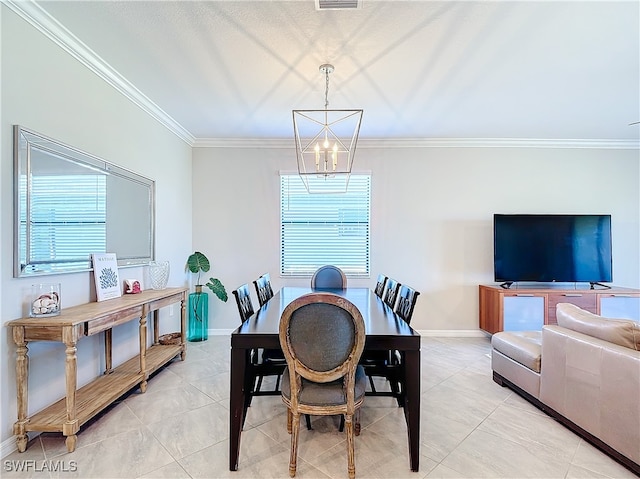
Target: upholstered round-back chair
x: 322, y: 336
x: 328, y: 277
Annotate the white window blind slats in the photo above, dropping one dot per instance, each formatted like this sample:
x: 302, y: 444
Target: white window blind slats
x: 319, y: 229
x: 68, y: 220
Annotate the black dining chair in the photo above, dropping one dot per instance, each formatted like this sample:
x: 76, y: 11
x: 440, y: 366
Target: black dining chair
x: 263, y: 289
x: 387, y: 364
x: 262, y: 362
x: 322, y: 336
x: 382, y: 279
x: 243, y: 301
x: 328, y: 277
x: 407, y: 298
x: 391, y: 292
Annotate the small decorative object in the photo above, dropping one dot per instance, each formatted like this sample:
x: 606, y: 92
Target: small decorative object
x: 132, y: 286
x: 159, y: 274
x: 198, y: 326
x: 170, y: 338
x: 105, y: 272
x: 45, y: 300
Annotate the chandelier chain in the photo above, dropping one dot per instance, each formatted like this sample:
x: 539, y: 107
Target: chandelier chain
x: 326, y: 90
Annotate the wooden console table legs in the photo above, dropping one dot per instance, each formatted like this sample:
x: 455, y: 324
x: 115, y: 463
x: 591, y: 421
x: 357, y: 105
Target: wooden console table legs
x: 108, y: 361
x: 143, y: 349
x: 70, y: 426
x: 22, y: 373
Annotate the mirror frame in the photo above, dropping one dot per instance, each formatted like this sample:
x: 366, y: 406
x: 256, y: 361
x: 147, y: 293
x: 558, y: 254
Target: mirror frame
x: 23, y: 141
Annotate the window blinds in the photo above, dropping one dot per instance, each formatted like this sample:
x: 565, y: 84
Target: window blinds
x: 319, y: 229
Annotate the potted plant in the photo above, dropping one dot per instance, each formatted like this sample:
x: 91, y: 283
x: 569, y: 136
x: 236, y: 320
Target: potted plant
x: 198, y: 263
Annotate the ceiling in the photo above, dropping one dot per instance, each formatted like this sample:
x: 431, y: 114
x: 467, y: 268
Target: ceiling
x: 234, y: 70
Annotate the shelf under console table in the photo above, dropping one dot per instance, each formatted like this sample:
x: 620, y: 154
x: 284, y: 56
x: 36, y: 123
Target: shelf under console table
x: 529, y: 308
x: 80, y: 405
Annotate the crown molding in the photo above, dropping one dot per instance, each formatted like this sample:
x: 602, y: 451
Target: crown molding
x: 428, y: 143
x: 50, y: 27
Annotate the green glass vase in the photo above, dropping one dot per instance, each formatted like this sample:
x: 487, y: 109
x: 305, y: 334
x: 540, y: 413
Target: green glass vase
x: 197, y: 329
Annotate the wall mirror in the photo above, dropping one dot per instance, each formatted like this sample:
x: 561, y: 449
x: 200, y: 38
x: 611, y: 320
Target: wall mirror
x: 69, y: 204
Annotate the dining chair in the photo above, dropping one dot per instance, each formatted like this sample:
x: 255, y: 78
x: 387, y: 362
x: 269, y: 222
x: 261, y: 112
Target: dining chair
x: 387, y: 364
x: 243, y: 300
x: 328, y: 277
x: 407, y: 298
x: 322, y: 336
x: 382, y: 279
x: 262, y: 362
x: 263, y: 289
x: 391, y: 292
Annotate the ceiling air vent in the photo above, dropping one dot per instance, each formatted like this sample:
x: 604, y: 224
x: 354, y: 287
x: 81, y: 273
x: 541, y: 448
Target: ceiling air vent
x: 338, y: 4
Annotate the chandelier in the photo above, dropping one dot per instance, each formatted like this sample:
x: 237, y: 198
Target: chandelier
x: 326, y: 144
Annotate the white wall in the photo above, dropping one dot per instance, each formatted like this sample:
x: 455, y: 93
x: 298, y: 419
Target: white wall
x: 46, y: 90
x: 432, y: 215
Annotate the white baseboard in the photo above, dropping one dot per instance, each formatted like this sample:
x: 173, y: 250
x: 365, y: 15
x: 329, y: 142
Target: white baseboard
x: 441, y: 333
x: 9, y: 446
x: 452, y: 333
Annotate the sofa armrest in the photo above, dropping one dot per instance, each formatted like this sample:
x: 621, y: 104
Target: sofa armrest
x: 595, y: 384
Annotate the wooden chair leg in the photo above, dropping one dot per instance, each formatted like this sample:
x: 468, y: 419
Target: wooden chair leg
x: 293, y: 459
x: 289, y: 420
x: 351, y: 468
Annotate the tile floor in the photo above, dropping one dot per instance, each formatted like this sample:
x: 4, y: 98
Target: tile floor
x: 471, y: 428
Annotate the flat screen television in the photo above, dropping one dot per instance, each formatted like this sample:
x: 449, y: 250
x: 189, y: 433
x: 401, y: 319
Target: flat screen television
x: 552, y: 248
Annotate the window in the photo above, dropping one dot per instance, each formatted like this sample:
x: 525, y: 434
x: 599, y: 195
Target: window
x: 318, y: 229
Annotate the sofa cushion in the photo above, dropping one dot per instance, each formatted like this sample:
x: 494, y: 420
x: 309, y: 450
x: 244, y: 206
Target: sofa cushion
x: 622, y: 332
x: 523, y: 347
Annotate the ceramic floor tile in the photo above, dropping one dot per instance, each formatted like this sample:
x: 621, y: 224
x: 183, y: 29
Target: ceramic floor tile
x: 439, y: 435
x: 577, y: 472
x: 468, y: 408
x: 485, y: 455
x: 263, y: 409
x: 192, y: 431
x: 542, y: 435
x: 590, y: 458
x: 130, y: 454
x: 443, y: 472
x: 29, y: 464
x: 151, y: 406
x: 113, y: 421
x: 470, y: 428
x: 215, y: 386
x: 172, y: 470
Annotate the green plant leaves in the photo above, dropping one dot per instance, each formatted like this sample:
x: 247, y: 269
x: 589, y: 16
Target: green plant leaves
x: 198, y: 262
x: 217, y: 288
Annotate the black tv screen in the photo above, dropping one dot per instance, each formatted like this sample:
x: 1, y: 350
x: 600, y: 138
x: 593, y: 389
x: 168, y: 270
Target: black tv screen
x: 548, y: 248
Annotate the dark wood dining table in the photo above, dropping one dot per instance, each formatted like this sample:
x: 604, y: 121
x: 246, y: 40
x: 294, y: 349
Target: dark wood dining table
x: 384, y: 331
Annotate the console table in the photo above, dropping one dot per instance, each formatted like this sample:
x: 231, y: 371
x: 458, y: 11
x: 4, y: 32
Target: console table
x: 80, y: 405
x: 530, y: 307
